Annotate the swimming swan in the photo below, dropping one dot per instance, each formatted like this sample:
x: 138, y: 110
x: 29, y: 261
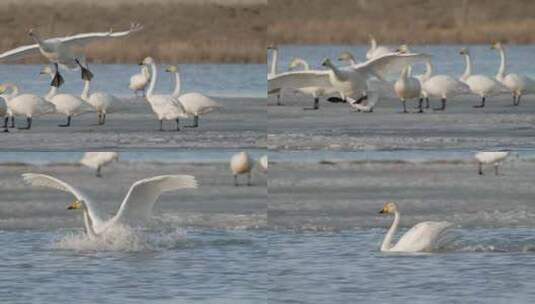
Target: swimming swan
x: 28, y: 105
x: 490, y: 158
x: 139, y: 81
x: 66, y: 104
x: 97, y: 160
x: 481, y: 85
x: 376, y: 51
x: 241, y: 163
x: 136, y: 207
x: 517, y: 84
x: 59, y: 51
x: 195, y: 104
x: 420, y: 238
x: 166, y: 107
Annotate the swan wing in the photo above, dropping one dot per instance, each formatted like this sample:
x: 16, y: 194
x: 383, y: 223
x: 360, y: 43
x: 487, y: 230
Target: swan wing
x: 300, y: 79
x: 19, y: 52
x: 138, y: 203
x: 421, y: 237
x: 390, y: 63
x: 47, y: 181
x: 198, y: 104
x: 82, y: 39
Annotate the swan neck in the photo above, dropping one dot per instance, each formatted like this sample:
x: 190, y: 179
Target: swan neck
x: 373, y: 44
x: 88, y: 222
x: 337, y: 72
x: 387, y: 242
x: 405, y: 72
x: 429, y: 70
x: 85, y: 91
x: 51, y: 92
x: 274, y: 59
x: 176, y: 92
x: 153, y: 78
x: 468, y: 69
x: 501, y: 70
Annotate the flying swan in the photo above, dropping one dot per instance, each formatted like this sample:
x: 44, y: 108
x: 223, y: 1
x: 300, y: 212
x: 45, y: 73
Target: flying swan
x: 376, y: 51
x: 195, y: 104
x: 60, y: 50
x: 136, y: 207
x: 420, y: 238
x: 166, y: 107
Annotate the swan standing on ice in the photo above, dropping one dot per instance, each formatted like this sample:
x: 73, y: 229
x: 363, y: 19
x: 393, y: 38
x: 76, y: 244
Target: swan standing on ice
x: 28, y: 105
x: 241, y: 163
x: 408, y: 87
x: 481, y: 85
x: 420, y: 238
x: 59, y: 51
x: 166, y: 107
x: 136, y: 207
x: 99, y: 101
x: 490, y: 158
x: 97, y: 160
x: 273, y: 72
x: 3, y: 112
x: 517, y: 84
x: 376, y: 51
x: 66, y: 104
x: 139, y: 81
x: 313, y: 91
x: 195, y: 104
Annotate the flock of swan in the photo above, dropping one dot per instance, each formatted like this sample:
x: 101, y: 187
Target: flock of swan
x: 61, y: 53
x: 361, y: 84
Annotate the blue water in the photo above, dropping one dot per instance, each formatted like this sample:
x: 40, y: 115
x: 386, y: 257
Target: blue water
x: 446, y: 58
x: 221, y: 80
x: 192, y: 266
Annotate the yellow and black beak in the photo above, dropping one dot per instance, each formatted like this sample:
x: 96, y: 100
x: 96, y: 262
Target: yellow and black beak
x: 141, y: 63
x: 75, y: 205
x: 382, y: 211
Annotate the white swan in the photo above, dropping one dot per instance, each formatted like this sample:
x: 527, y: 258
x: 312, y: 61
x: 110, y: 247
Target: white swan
x: 66, y: 104
x: 518, y: 84
x: 490, y: 158
x: 97, y: 160
x: 313, y: 91
x: 99, y: 101
x: 60, y: 50
x: 241, y: 163
x: 263, y: 162
x: 28, y: 105
x: 420, y: 238
x: 195, y: 104
x: 135, y: 209
x: 376, y: 51
x: 139, y: 81
x: 273, y: 72
x: 3, y: 112
x: 347, y: 81
x: 166, y: 107
x: 481, y: 85
x: 408, y: 87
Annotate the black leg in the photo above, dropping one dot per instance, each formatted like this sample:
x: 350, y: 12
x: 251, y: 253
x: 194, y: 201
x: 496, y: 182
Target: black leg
x: 518, y: 100
x: 514, y: 99
x: 249, y: 179
x: 443, y: 107
x: 29, y: 124
x: 57, y: 81
x: 235, y: 180
x: 480, y: 169
x: 316, y: 104
x: 279, y: 100
x: 177, y: 124
x: 420, y: 105
x: 12, y: 121
x: 404, y: 106
x: 103, y: 118
x: 68, y: 124
x: 98, y: 174
x: 86, y: 73
x: 427, y: 102
x: 161, y: 124
x: 496, y: 169
x: 482, y: 103
x: 5, y: 124
x: 195, y: 122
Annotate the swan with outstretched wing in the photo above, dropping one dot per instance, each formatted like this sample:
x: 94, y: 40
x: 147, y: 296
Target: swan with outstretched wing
x: 59, y: 51
x: 136, y: 207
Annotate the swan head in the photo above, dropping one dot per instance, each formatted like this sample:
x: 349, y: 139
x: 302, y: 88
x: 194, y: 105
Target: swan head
x: 403, y: 49
x: 2, y: 89
x: 294, y: 64
x: 496, y: 46
x: 326, y: 62
x: 272, y: 47
x: 46, y: 70
x: 464, y: 51
x: 76, y: 204
x: 147, y: 61
x: 172, y: 69
x: 345, y: 56
x: 389, y: 208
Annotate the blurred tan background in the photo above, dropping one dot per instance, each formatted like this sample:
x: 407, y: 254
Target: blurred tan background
x: 175, y: 30
x: 395, y: 21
